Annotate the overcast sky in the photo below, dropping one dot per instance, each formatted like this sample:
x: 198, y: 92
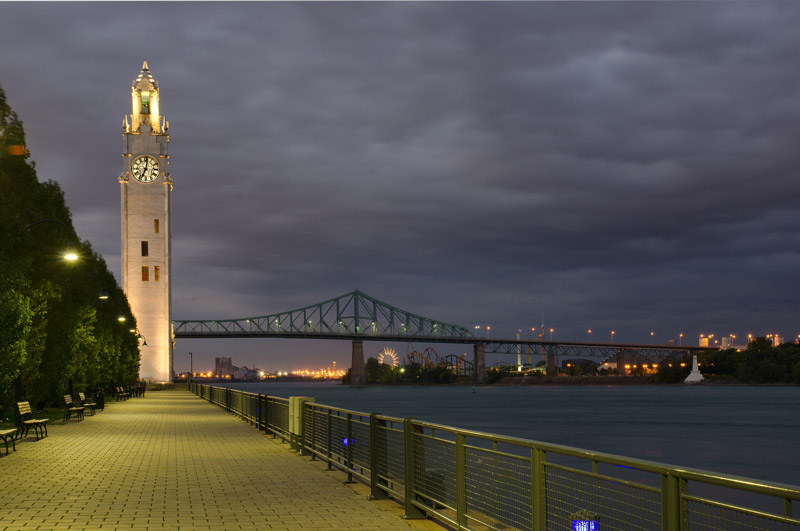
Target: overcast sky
x: 627, y: 166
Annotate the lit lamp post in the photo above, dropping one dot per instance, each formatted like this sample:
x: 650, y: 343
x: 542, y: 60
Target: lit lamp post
x: 551, y: 334
x: 70, y: 255
x: 488, y: 328
x: 140, y: 337
x: 680, y: 340
x: 612, y: 336
x: 590, y: 334
x: 476, y: 330
x: 653, y: 337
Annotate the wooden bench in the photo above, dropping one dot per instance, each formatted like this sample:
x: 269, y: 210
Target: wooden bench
x: 122, y: 394
x: 25, y: 421
x: 9, y: 434
x: 70, y: 408
x: 85, y: 402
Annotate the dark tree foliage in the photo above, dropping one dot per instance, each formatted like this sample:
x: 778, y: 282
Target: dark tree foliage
x: 760, y: 362
x: 414, y: 373
x: 53, y: 327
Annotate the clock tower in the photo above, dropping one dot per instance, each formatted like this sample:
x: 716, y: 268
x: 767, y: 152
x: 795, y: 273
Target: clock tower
x: 145, y: 190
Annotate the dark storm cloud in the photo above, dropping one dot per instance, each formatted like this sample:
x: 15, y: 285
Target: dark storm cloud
x: 613, y: 165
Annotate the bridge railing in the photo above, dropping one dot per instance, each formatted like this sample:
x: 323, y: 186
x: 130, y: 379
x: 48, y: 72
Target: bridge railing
x: 475, y: 480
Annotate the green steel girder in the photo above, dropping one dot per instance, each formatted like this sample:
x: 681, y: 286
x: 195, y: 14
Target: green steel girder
x: 352, y: 314
x: 590, y: 350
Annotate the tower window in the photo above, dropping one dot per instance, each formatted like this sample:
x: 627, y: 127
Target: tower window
x: 145, y: 273
x: 156, y: 273
x: 145, y: 109
x: 155, y: 226
x: 145, y: 250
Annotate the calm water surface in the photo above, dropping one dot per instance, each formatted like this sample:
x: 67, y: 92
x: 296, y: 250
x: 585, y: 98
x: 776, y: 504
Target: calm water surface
x: 746, y: 431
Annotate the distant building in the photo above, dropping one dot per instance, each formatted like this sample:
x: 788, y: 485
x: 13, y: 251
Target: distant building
x: 727, y: 342
x: 223, y: 367
x: 703, y: 341
x: 245, y: 374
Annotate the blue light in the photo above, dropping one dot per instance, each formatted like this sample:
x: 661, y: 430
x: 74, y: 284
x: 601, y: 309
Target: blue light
x: 346, y: 442
x: 584, y: 525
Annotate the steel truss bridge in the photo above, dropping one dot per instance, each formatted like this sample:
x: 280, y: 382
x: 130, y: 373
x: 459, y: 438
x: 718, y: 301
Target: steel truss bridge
x: 357, y: 317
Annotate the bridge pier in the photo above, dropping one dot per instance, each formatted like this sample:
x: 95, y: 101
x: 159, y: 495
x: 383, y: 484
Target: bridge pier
x: 479, y: 363
x: 358, y: 374
x: 621, y: 364
x: 552, y: 370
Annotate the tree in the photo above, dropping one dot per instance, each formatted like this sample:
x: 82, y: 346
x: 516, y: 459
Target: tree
x: 53, y: 328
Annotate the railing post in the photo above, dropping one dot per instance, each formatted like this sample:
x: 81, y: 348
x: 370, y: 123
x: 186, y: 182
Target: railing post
x: 538, y: 491
x: 377, y: 448
x: 302, y: 427
x: 461, y: 483
x: 328, y: 449
x: 260, y: 412
x: 674, y: 516
x: 409, y: 462
x: 349, y: 453
x: 313, y: 450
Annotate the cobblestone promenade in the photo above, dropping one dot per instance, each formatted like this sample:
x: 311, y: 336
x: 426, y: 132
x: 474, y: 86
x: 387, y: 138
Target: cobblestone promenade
x: 173, y: 461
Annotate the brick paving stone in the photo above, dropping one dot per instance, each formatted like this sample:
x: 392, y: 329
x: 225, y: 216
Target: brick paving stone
x: 173, y: 461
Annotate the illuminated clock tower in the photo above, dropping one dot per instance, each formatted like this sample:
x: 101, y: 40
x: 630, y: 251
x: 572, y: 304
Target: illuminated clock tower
x: 145, y: 188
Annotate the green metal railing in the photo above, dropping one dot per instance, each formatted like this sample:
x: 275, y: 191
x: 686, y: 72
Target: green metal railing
x: 473, y: 480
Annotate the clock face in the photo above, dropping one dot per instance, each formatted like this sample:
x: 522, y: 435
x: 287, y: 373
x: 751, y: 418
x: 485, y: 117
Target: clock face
x: 145, y: 169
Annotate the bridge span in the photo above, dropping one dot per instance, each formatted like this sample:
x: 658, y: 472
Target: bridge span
x: 357, y: 317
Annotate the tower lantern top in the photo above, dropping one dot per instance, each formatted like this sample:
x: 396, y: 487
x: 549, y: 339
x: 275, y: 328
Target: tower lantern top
x: 144, y: 98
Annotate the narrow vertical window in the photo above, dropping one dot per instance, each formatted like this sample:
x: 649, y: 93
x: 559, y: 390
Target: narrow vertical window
x: 145, y: 107
x: 145, y: 249
x: 156, y: 273
x: 145, y: 273
x: 155, y: 226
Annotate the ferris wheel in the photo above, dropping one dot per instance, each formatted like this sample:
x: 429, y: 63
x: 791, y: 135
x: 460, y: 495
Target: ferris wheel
x: 388, y: 356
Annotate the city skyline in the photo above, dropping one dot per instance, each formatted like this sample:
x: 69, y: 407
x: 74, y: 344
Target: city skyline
x: 614, y: 166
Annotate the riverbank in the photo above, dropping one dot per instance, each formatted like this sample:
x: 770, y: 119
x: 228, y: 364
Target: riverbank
x: 574, y: 380
x: 621, y: 380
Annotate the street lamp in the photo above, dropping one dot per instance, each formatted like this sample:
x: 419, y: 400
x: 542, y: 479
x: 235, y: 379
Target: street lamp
x: 551, y: 334
x: 590, y: 335
x: 488, y: 328
x: 70, y: 255
x: 140, y: 337
x: 680, y: 339
x: 476, y: 330
x: 653, y: 337
x: 612, y: 336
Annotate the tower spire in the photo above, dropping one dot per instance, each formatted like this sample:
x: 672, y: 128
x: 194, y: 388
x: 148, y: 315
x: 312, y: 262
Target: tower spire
x: 144, y: 96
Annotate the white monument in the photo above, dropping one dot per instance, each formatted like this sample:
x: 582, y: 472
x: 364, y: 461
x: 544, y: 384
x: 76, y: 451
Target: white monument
x: 146, y: 186
x: 694, y: 377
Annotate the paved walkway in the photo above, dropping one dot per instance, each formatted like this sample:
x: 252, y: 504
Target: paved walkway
x: 173, y: 461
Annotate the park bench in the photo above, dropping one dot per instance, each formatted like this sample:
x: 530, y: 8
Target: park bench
x: 70, y: 408
x: 25, y: 421
x: 9, y: 434
x: 122, y: 394
x: 86, y: 402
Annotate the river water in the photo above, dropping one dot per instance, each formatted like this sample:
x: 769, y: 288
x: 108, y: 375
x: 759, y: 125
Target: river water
x: 741, y: 430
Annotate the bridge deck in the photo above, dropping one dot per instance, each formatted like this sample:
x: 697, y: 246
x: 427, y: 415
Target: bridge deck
x: 173, y: 461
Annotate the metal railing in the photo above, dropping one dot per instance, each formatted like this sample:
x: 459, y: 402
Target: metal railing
x: 473, y: 480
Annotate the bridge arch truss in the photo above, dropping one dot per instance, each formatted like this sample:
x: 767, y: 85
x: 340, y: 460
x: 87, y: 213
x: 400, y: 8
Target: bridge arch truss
x: 350, y: 316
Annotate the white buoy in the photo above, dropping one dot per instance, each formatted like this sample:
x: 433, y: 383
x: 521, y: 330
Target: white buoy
x: 694, y: 377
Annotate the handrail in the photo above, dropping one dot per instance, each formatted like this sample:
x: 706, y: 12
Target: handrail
x: 439, y: 473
